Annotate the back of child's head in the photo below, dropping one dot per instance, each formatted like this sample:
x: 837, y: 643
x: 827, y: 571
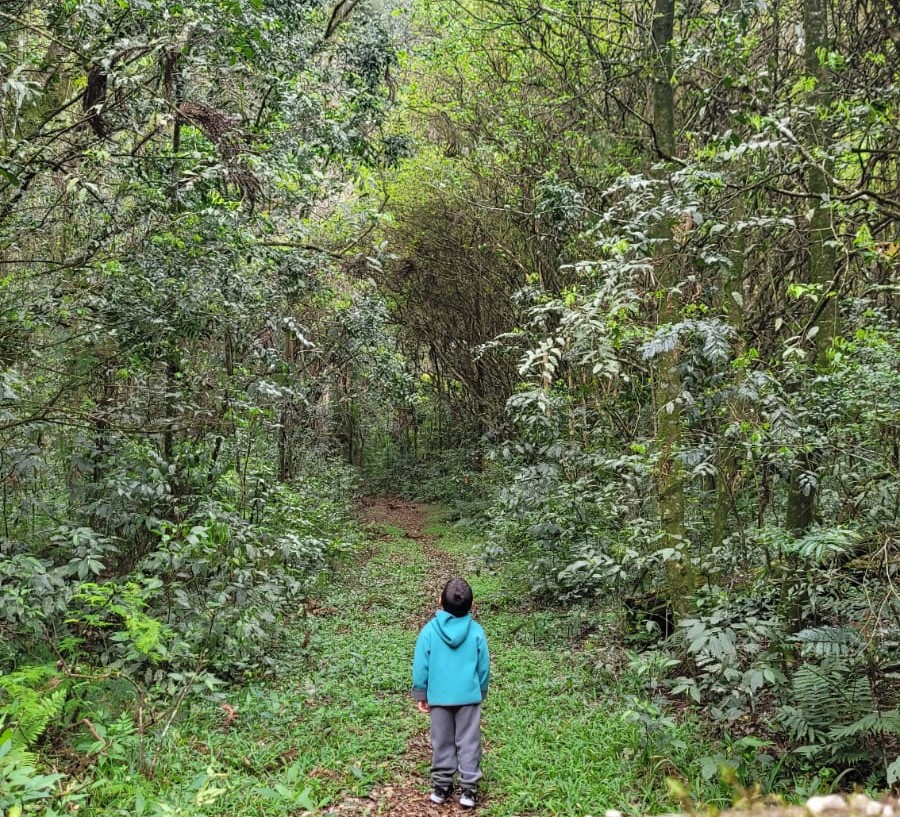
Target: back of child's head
x: 456, y: 598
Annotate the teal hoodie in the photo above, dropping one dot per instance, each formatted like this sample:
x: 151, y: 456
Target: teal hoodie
x: 451, y: 664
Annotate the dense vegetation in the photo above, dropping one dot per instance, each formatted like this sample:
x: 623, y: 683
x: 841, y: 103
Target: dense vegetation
x: 684, y: 218
x: 615, y: 281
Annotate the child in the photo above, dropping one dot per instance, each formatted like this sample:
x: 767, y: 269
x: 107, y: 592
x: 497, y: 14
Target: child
x: 451, y: 669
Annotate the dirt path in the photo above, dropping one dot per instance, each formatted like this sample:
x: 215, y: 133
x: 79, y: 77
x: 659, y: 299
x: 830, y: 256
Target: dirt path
x: 406, y: 795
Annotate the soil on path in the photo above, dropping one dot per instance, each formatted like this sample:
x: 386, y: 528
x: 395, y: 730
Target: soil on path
x: 407, y: 794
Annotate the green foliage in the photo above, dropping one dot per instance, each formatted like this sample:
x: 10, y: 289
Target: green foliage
x: 835, y: 716
x: 454, y: 478
x: 172, y: 335
x: 32, y: 697
x: 640, y: 314
x: 20, y: 782
x: 829, y: 642
x: 105, y: 606
x: 704, y: 424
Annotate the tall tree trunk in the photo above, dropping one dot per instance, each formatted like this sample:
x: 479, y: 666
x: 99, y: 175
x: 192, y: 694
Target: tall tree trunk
x: 666, y: 381
x: 172, y: 355
x: 821, y: 264
x: 727, y: 464
x: 285, y: 420
x: 822, y: 255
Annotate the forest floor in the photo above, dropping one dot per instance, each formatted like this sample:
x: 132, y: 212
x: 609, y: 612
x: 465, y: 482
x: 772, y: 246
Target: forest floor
x: 337, y: 733
x: 403, y: 795
x: 552, y: 744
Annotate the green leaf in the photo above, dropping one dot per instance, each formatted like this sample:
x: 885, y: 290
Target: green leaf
x: 893, y: 772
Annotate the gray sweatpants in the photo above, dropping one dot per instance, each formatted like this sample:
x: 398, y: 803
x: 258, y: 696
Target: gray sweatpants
x: 456, y: 745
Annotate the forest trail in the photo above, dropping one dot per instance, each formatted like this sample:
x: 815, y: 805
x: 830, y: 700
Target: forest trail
x: 557, y: 739
x: 406, y: 794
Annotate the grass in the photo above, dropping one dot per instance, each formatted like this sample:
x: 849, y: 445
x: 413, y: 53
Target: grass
x: 556, y: 742
x: 339, y: 720
x: 333, y: 725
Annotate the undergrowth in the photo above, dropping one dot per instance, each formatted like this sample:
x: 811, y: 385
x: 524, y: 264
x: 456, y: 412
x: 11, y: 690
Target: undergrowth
x: 561, y: 738
x: 337, y: 721
x: 331, y: 726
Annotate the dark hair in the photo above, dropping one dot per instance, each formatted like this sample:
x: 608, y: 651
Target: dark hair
x: 456, y: 598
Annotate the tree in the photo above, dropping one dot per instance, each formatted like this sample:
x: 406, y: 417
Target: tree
x: 700, y: 200
x: 821, y: 265
x: 667, y: 385
x: 160, y: 170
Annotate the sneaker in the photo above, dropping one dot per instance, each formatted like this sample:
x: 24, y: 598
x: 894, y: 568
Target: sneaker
x: 439, y: 794
x: 467, y: 798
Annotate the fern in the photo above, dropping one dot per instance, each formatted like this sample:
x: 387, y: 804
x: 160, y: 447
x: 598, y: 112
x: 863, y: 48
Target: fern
x: 20, y: 782
x: 833, y: 709
x: 831, y: 689
x: 10, y: 753
x: 869, y: 725
x: 829, y: 642
x: 34, y: 697
x: 821, y: 545
x: 795, y: 722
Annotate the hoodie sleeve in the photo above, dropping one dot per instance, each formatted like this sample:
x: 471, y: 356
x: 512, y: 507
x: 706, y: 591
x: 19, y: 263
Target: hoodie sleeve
x: 421, y: 658
x: 484, y: 664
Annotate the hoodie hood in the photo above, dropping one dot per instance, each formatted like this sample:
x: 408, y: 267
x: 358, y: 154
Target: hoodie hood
x: 452, y: 629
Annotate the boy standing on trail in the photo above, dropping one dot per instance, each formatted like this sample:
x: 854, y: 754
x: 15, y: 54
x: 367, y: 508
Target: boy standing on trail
x: 451, y: 670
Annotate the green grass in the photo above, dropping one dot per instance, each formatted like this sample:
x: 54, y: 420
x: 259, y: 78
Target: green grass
x: 557, y: 742
x: 333, y: 725
x: 339, y: 719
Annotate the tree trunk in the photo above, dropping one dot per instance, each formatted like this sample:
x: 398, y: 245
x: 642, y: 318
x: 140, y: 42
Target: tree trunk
x: 727, y: 465
x: 821, y: 263
x: 666, y: 381
x: 285, y: 420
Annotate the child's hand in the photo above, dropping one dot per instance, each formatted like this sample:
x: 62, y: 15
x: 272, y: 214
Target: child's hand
x: 423, y: 707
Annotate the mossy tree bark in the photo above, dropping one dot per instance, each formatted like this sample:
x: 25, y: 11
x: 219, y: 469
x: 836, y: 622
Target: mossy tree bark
x: 821, y: 270
x: 666, y: 380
